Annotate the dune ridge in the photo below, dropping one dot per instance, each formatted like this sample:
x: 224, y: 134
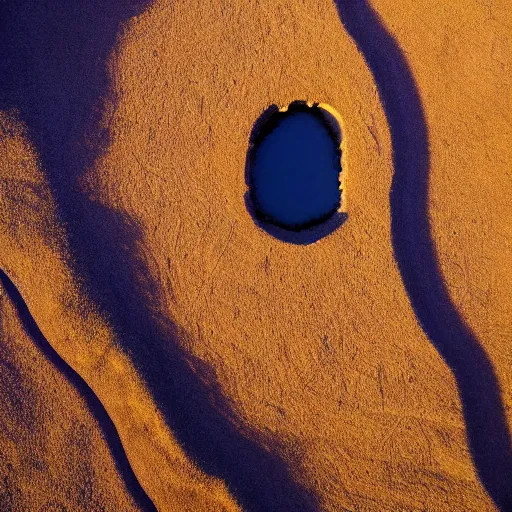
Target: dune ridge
x: 87, y: 394
x: 58, y: 449
x: 36, y: 257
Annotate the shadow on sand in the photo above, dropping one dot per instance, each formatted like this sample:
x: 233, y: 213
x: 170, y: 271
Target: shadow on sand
x: 484, y: 415
x: 95, y: 406
x: 53, y: 65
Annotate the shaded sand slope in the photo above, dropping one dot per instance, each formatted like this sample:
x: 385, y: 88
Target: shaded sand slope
x: 34, y: 253
x: 317, y: 344
x: 298, y: 375
x: 53, y: 452
x: 414, y: 248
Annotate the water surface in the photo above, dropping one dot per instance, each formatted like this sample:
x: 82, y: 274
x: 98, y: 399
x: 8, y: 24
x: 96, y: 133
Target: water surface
x: 294, y: 167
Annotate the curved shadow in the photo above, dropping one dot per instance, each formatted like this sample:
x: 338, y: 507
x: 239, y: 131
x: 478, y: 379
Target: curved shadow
x: 483, y: 409
x: 301, y: 234
x: 304, y: 236
x: 94, y: 404
x: 53, y: 65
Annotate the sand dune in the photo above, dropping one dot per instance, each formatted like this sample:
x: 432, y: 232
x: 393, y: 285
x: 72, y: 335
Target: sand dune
x: 368, y: 371
x: 60, y: 450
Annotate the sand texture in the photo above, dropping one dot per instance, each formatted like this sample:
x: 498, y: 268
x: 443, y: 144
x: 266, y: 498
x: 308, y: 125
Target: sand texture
x: 159, y: 350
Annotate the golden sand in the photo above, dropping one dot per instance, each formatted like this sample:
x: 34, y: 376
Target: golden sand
x: 213, y: 346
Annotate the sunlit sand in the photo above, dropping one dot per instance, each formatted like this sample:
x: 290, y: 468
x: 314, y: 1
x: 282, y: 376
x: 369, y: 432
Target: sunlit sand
x: 160, y: 349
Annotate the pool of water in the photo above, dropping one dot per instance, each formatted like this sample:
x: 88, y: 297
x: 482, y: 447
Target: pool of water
x: 293, y: 168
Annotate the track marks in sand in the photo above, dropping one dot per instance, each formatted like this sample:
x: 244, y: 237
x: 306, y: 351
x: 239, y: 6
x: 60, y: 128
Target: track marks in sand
x: 47, y: 55
x: 414, y: 250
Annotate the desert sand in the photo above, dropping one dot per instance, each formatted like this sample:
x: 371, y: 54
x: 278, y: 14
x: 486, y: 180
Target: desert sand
x: 161, y: 351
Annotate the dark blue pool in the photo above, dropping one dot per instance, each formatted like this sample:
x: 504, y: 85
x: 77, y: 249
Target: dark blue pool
x: 293, y: 169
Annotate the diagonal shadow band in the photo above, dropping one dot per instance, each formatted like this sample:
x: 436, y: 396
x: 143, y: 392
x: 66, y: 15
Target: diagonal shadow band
x: 95, y: 406
x: 53, y: 66
x: 484, y: 415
